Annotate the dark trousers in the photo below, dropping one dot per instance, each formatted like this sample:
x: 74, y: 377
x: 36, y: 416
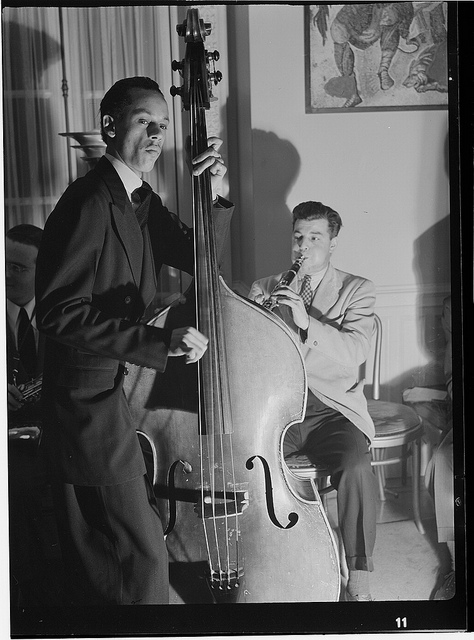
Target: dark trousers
x: 326, y: 437
x: 36, y: 577
x: 113, y: 545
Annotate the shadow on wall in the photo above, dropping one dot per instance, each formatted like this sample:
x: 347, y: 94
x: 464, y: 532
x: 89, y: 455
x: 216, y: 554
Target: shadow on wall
x: 276, y: 165
x: 432, y: 268
x: 45, y: 49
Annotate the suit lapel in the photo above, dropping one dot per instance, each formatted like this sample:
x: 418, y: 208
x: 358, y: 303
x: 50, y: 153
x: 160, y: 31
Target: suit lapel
x: 124, y: 217
x: 326, y: 296
x: 327, y: 293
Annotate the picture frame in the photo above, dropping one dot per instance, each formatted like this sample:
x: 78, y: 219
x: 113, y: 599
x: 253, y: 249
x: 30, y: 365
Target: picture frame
x: 376, y: 56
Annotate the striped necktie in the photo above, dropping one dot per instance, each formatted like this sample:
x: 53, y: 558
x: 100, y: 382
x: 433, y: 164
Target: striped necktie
x: 306, y: 292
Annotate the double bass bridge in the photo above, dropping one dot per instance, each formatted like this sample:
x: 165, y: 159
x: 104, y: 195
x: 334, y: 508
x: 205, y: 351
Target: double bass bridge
x: 221, y: 504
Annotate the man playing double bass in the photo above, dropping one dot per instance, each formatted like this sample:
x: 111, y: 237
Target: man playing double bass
x: 101, y: 252
x: 331, y: 313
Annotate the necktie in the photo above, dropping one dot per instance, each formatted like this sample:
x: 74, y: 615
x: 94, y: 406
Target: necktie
x: 141, y: 200
x: 306, y: 292
x: 26, y: 343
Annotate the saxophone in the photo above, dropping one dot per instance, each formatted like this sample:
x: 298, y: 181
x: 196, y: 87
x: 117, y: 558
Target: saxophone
x: 31, y: 390
x: 28, y: 429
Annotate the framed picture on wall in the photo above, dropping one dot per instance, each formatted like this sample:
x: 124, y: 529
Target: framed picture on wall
x: 370, y: 56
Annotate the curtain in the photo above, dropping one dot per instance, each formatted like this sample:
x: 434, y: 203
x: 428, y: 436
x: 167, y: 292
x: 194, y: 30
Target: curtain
x: 34, y: 155
x: 105, y: 44
x: 92, y: 48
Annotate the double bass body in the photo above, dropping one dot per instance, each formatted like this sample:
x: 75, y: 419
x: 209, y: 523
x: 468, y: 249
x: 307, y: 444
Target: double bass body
x: 262, y: 540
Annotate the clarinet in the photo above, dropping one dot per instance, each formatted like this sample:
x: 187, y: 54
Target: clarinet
x: 285, y: 280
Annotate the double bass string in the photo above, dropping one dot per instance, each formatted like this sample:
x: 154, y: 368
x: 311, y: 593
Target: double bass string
x: 204, y: 315
x: 197, y: 224
x: 217, y: 402
x: 223, y: 422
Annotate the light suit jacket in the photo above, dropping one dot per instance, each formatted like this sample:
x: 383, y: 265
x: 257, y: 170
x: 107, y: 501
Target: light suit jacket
x: 337, y: 341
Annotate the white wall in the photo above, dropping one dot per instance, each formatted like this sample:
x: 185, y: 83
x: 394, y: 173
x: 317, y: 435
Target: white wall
x: 385, y: 172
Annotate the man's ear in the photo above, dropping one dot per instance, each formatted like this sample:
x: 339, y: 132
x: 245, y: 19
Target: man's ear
x: 333, y: 244
x: 108, y: 125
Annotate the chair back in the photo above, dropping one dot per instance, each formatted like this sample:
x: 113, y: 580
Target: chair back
x: 377, y: 358
x: 374, y: 358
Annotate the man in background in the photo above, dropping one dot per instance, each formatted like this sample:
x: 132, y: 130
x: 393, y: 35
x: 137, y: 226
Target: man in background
x: 24, y: 350
x: 439, y: 475
x: 34, y: 550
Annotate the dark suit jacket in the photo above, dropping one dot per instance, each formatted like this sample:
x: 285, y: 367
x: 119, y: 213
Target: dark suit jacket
x: 96, y: 274
x: 31, y: 411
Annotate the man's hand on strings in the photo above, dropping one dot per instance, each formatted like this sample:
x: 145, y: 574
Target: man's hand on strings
x: 211, y: 159
x: 189, y: 342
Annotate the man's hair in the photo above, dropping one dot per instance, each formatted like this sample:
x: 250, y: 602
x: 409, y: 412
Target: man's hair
x: 25, y: 234
x: 318, y: 211
x: 118, y: 97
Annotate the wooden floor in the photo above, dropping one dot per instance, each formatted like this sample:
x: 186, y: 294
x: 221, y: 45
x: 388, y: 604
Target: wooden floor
x: 406, y: 563
x: 406, y: 566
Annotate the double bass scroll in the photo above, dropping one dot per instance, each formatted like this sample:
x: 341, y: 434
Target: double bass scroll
x: 233, y: 512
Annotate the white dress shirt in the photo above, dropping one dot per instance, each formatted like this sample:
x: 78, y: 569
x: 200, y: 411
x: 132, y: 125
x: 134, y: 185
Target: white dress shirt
x: 129, y: 178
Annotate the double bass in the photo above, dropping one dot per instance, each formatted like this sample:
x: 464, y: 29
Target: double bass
x: 239, y: 526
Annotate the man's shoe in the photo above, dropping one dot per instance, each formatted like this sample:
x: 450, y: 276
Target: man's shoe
x: 448, y: 588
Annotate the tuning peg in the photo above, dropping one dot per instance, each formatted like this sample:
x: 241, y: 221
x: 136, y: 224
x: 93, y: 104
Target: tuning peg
x: 177, y: 66
x: 215, y: 77
x: 176, y: 91
x: 213, y: 55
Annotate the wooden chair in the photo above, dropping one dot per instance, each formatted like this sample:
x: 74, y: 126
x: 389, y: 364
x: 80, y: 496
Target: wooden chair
x: 397, y: 427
